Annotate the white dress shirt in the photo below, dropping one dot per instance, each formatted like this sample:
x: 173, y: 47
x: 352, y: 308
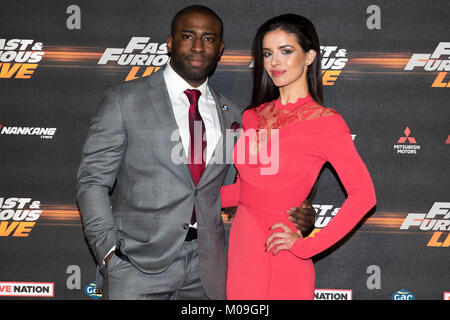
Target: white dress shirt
x: 176, y: 86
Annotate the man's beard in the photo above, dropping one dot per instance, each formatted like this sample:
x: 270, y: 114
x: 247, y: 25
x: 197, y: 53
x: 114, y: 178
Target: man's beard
x: 180, y: 65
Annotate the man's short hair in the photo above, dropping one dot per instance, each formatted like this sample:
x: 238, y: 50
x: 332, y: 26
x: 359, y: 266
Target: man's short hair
x: 195, y: 9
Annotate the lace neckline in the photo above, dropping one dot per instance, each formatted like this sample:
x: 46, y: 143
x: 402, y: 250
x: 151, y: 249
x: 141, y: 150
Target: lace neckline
x: 293, y: 105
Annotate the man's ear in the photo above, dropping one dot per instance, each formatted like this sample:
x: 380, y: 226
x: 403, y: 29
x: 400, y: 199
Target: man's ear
x: 169, y: 43
x: 221, y: 48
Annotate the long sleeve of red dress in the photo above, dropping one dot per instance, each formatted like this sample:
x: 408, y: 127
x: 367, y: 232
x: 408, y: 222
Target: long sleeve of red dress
x: 338, y: 149
x: 230, y: 194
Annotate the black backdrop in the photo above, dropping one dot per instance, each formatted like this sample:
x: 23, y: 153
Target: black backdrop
x: 51, y: 82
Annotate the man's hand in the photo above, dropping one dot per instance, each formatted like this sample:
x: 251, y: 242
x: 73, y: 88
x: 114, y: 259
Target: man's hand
x: 303, y: 217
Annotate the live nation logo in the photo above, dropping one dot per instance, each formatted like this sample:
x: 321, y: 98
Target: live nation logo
x: 407, y: 144
x: 27, y: 289
x: 333, y: 294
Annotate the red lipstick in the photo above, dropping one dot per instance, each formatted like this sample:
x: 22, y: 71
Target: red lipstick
x: 277, y: 73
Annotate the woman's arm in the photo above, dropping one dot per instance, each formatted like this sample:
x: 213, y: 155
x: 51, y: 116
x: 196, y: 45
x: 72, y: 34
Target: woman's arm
x: 230, y: 194
x: 338, y: 149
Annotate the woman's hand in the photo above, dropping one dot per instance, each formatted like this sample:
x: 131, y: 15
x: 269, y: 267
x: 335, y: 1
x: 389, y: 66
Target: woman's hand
x: 281, y: 240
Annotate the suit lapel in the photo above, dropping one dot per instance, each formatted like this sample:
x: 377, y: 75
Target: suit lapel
x: 217, y: 160
x: 160, y: 103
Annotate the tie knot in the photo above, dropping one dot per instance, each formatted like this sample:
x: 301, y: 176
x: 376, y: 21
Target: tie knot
x: 193, y: 95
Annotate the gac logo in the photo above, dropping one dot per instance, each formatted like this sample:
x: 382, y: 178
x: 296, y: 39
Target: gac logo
x: 403, y: 295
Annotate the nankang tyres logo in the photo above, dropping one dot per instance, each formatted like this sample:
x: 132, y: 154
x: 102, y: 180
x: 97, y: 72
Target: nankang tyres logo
x: 143, y: 55
x: 403, y: 294
x: 19, y: 57
x: 43, y: 133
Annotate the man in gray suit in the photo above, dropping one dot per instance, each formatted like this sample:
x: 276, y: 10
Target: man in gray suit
x: 153, y: 222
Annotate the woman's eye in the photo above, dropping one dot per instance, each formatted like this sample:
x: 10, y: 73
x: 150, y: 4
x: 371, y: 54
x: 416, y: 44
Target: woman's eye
x: 266, y: 54
x: 287, y: 51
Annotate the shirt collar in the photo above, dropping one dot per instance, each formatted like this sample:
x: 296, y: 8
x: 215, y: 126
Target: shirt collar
x: 178, y: 85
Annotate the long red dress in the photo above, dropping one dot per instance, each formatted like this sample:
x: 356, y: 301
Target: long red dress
x: 279, y: 155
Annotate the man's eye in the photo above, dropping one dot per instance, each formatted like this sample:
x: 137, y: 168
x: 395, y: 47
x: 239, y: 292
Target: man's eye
x: 186, y: 36
x: 209, y: 39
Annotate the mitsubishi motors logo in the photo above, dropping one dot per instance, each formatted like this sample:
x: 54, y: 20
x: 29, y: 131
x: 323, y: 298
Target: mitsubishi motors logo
x: 408, y: 144
x: 407, y: 137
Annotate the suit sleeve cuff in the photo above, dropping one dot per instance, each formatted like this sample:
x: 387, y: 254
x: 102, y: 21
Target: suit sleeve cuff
x: 111, y: 250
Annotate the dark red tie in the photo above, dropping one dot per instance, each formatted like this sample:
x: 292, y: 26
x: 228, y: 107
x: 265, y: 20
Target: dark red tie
x: 197, y: 144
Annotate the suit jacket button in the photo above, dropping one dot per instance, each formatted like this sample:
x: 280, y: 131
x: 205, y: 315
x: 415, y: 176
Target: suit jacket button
x: 196, y: 192
x: 185, y: 226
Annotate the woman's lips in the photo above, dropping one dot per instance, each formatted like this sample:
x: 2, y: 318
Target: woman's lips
x: 277, y: 73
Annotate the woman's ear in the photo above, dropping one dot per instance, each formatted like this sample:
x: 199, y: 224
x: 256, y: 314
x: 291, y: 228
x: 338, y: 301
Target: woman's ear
x: 310, y: 56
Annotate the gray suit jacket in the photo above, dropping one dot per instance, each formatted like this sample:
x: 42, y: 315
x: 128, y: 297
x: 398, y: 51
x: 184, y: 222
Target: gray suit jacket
x: 131, y: 192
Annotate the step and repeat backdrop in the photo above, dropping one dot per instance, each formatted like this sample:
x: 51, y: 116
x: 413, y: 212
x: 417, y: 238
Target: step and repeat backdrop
x: 386, y: 69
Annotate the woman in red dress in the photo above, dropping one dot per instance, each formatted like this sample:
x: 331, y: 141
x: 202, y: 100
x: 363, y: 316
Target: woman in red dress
x: 267, y: 257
